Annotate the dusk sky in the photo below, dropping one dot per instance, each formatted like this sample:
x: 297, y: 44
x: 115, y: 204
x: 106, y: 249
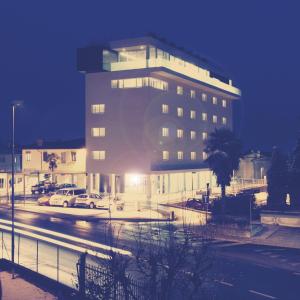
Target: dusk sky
x: 257, y: 43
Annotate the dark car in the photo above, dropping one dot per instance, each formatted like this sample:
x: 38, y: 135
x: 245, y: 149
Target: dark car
x: 198, y: 203
x: 43, y: 187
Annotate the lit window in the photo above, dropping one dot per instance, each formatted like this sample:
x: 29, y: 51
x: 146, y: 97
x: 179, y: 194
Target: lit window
x: 165, y: 131
x: 140, y: 82
x: 98, y: 108
x: 98, y: 155
x: 204, y: 116
x: 204, y: 97
x: 179, y: 90
x: 193, y: 94
x: 224, y: 103
x: 215, y: 100
x: 179, y: 111
x: 114, y: 84
x: 204, y: 136
x: 204, y: 155
x: 215, y: 119
x: 224, y: 121
x: 193, y: 134
x: 165, y: 155
x: 28, y: 156
x: 193, y: 114
x: 180, y: 155
x: 165, y: 108
x: 98, y: 132
x: 180, y: 133
x: 193, y: 155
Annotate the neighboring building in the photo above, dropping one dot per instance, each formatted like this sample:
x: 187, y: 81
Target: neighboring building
x: 254, y: 166
x: 6, y: 159
x: 149, y: 108
x: 70, y: 160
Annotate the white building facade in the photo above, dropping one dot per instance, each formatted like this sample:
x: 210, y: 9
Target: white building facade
x: 149, y: 109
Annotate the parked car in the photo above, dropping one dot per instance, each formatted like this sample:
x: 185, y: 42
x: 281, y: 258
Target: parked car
x: 66, y: 197
x: 44, y: 200
x: 198, y: 203
x: 43, y: 187
x: 65, y: 186
x: 87, y: 200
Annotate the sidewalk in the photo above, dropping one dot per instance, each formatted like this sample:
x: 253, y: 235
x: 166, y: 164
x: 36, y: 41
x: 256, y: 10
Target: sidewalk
x: 20, y: 289
x: 271, y: 235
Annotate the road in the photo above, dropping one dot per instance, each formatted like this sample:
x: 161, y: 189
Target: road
x: 243, y: 271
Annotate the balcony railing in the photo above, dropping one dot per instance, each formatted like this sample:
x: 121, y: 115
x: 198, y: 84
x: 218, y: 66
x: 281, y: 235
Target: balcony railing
x: 198, y: 74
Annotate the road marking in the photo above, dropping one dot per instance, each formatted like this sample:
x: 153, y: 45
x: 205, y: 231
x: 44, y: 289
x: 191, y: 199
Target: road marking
x: 226, y: 283
x: 69, y: 237
x: 262, y: 294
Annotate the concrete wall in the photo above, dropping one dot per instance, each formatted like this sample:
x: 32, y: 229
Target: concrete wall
x: 282, y: 219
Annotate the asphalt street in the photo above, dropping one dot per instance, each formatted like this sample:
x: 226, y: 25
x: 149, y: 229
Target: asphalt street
x: 242, y: 271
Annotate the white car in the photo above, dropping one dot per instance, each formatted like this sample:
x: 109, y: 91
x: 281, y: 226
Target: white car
x: 87, y: 200
x: 65, y: 197
x: 104, y: 202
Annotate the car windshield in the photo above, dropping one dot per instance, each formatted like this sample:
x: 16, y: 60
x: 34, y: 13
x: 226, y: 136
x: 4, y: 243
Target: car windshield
x: 62, y: 192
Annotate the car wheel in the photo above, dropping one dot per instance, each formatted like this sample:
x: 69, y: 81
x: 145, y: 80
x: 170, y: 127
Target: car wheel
x: 65, y: 204
x: 92, y: 205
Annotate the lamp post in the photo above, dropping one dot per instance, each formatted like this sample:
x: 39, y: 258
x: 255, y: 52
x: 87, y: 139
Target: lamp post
x: 15, y: 104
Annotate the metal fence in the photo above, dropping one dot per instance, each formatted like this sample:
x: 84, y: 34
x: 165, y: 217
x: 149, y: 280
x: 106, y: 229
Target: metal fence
x: 102, y: 284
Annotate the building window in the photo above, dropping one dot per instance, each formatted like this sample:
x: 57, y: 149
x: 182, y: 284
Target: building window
x: 215, y: 100
x: 224, y: 121
x: 204, y: 116
x: 98, y: 132
x: 1, y: 183
x: 204, y: 97
x: 204, y: 136
x: 165, y: 131
x: 180, y: 155
x: 73, y: 156
x: 140, y: 82
x: 180, y: 133
x: 193, y: 155
x: 45, y: 156
x: 165, y: 108
x: 28, y: 156
x: 165, y: 155
x: 193, y: 114
x: 224, y: 103
x: 180, y: 112
x: 204, y: 155
x: 98, y: 155
x: 114, y: 84
x: 193, y: 94
x: 215, y: 119
x: 63, y: 157
x: 179, y: 90
x: 98, y: 108
x: 193, y: 135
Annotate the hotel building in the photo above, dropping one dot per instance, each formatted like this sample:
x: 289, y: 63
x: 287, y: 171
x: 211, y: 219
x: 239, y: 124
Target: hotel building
x: 149, y: 108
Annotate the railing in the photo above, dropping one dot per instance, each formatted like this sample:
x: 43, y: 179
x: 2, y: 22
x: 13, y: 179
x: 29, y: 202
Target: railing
x: 151, y: 63
x: 53, y: 261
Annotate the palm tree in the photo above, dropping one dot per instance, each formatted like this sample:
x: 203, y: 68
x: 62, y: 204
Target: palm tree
x: 224, y: 152
x: 52, y: 160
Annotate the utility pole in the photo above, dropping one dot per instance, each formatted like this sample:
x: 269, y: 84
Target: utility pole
x: 15, y: 104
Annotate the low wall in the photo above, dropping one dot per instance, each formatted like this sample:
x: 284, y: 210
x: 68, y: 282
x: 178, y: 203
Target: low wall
x: 290, y: 219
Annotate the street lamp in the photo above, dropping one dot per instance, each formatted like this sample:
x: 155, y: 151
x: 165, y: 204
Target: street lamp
x: 15, y: 105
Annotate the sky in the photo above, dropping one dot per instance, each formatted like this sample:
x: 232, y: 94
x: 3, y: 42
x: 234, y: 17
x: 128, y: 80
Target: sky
x: 256, y: 42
